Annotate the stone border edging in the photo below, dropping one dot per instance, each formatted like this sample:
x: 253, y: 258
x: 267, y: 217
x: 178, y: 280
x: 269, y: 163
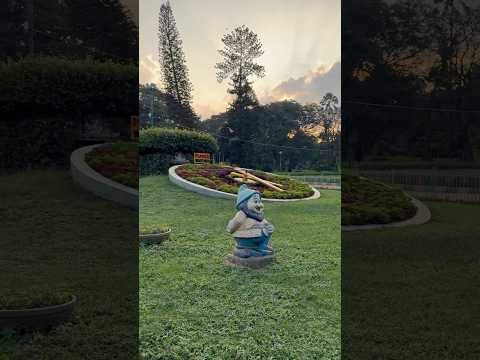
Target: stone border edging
x: 422, y: 216
x: 98, y: 184
x: 190, y: 186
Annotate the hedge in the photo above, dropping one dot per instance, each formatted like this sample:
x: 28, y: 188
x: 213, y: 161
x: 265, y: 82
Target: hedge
x: 49, y: 85
x: 154, y: 164
x: 172, y: 141
x: 46, y: 101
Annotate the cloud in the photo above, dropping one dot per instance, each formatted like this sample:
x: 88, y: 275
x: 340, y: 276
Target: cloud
x: 150, y: 70
x: 308, y: 88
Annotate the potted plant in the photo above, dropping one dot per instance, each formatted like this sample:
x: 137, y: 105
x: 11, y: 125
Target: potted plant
x: 35, y: 308
x: 154, y: 234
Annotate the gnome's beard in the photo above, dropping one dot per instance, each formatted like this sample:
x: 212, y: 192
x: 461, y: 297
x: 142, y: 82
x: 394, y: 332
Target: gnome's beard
x: 251, y: 213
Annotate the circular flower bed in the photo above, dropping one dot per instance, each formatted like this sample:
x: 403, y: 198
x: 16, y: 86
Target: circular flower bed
x: 117, y: 161
x: 368, y: 202
x: 228, y: 179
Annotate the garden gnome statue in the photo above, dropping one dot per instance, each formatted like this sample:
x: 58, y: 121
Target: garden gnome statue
x: 250, y: 230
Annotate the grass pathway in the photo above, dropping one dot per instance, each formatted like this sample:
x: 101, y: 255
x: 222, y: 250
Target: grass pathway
x: 192, y: 307
x: 56, y: 235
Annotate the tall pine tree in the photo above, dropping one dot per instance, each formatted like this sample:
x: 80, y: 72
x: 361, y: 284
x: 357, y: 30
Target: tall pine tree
x: 177, y: 85
x: 241, y: 48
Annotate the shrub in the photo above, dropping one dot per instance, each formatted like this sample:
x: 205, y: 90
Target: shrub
x: 200, y: 180
x: 46, y: 85
x: 154, y: 164
x: 172, y: 141
x: 44, y: 102
x: 368, y: 202
x: 228, y: 189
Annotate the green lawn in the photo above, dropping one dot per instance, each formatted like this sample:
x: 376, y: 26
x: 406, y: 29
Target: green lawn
x: 413, y: 292
x: 193, y: 307
x: 56, y: 235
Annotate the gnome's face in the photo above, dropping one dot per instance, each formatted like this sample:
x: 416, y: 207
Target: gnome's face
x: 255, y: 205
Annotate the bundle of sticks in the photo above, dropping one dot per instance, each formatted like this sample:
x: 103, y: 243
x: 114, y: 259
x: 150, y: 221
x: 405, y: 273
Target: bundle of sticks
x: 241, y: 176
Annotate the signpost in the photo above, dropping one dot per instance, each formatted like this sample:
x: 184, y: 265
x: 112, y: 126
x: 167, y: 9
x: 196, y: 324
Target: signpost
x: 134, y: 127
x: 201, y: 157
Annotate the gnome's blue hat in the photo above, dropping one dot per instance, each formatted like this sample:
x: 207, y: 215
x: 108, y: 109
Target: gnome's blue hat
x: 244, y: 193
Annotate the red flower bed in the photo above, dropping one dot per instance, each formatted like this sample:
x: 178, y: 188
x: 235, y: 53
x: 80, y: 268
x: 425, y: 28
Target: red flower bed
x: 118, y: 162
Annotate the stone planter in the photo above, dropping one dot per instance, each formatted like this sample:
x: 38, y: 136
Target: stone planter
x: 155, y: 239
x: 190, y: 186
x: 42, y: 317
x: 96, y: 183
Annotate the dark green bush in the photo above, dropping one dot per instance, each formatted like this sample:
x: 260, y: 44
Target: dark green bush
x: 45, y: 103
x: 154, y: 164
x: 53, y: 85
x: 368, y: 202
x: 172, y: 141
x: 201, y: 180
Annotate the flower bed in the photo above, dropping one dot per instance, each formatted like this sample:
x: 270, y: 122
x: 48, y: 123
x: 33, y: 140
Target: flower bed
x: 368, y: 202
x: 118, y: 162
x: 219, y: 177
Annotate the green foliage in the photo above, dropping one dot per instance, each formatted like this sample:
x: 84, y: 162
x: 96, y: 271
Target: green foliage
x: 46, y: 85
x: 201, y: 180
x: 178, y: 87
x: 37, y: 142
x: 368, y: 202
x: 216, y: 176
x: 45, y: 102
x: 154, y: 164
x: 289, y: 310
x: 172, y: 141
x: 228, y: 188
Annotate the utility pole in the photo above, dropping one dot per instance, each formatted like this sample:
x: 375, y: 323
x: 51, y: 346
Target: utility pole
x: 30, y: 6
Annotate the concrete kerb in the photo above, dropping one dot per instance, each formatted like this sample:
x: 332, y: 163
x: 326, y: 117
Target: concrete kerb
x: 190, y: 186
x: 92, y: 181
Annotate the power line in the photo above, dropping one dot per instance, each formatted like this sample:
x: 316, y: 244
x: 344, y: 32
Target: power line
x: 404, y: 107
x: 273, y: 145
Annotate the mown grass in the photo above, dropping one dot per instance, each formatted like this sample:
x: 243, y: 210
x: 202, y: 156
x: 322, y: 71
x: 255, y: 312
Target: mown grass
x: 193, y: 307
x: 56, y: 236
x: 412, y: 292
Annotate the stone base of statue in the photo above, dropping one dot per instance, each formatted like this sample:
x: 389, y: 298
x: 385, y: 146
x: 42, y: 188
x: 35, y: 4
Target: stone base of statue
x: 253, y: 262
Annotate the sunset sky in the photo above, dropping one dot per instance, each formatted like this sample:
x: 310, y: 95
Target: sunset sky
x: 301, y: 41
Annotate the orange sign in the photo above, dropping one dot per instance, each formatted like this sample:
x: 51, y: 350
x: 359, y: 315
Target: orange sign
x: 200, y: 157
x: 134, y: 127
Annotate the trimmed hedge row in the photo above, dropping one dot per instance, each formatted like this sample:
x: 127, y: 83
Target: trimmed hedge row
x: 172, y: 141
x: 49, y: 85
x: 45, y: 103
x: 154, y: 164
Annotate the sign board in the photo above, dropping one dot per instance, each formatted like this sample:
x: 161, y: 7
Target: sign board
x: 201, y: 157
x: 134, y: 127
